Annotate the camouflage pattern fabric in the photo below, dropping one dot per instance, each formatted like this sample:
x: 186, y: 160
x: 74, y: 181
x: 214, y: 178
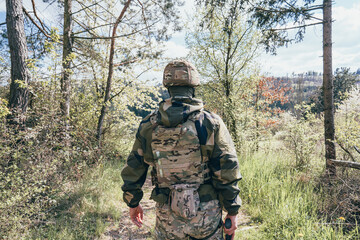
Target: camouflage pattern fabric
x: 177, y: 154
x: 180, y: 73
x: 215, y: 144
x: 185, y: 200
x: 204, y: 224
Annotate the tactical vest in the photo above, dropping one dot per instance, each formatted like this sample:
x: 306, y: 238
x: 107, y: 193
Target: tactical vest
x: 177, y: 154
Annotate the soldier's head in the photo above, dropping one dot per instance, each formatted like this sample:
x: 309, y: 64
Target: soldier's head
x: 180, y: 78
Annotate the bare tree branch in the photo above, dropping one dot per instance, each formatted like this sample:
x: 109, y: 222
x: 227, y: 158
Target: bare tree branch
x: 126, y: 62
x: 34, y: 9
x: 85, y: 28
x: 111, y: 70
x: 120, y: 36
x: 84, y: 8
x: 144, y: 18
x: 33, y: 21
x: 358, y: 150
x: 345, y: 150
x: 92, y: 28
x: 127, y: 84
x: 345, y: 163
x: 83, y: 5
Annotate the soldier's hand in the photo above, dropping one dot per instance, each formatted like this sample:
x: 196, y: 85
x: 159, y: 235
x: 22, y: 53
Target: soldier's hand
x: 137, y: 215
x: 231, y: 231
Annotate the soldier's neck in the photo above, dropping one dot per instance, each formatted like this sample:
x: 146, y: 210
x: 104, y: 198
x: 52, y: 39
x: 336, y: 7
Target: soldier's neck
x: 181, y: 91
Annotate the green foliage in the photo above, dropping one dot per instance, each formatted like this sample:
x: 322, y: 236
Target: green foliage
x: 56, y: 183
x: 301, y: 136
x: 344, y: 81
x: 348, y: 125
x: 35, y: 165
x: 88, y: 207
x: 4, y: 111
x: 283, y: 202
x: 224, y: 48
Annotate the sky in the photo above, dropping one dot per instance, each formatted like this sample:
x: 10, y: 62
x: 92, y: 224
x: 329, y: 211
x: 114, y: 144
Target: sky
x: 306, y: 55
x: 296, y: 58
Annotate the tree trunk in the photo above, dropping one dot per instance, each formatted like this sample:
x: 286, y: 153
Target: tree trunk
x: 328, y: 90
x: 257, y: 134
x: 20, y: 75
x: 66, y: 62
x: 111, y: 70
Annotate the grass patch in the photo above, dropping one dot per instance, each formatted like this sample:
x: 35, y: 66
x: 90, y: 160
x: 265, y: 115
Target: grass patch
x: 87, y: 208
x: 285, y: 202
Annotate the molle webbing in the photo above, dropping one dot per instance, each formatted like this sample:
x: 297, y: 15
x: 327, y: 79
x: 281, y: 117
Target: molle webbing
x: 177, y: 154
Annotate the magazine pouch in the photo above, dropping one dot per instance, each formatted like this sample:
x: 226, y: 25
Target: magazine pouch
x: 185, y: 200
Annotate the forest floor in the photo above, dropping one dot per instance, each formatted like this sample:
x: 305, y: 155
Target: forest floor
x: 126, y: 230
x: 278, y: 203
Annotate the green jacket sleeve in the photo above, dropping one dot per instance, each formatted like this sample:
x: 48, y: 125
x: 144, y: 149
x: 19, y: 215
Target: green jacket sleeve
x: 225, y: 169
x: 134, y: 173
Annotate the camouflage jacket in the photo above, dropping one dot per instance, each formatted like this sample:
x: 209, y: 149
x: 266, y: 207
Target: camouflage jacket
x: 215, y: 141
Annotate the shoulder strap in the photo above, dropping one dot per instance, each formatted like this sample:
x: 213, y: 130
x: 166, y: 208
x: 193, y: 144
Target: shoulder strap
x: 154, y: 118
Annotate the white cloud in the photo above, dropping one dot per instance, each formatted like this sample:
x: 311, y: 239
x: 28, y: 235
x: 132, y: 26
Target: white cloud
x: 307, y: 55
x: 175, y: 50
x: 172, y: 50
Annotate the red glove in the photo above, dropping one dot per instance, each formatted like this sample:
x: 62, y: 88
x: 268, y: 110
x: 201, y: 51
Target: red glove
x: 137, y: 215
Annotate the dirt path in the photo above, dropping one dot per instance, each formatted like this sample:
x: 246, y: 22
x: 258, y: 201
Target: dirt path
x: 126, y: 230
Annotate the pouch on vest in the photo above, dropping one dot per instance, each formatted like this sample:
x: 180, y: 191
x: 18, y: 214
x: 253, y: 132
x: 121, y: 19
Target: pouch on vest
x: 185, y: 200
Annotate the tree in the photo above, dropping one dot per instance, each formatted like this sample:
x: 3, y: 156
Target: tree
x: 344, y: 81
x: 329, y: 124
x: 269, y: 95
x: 66, y: 61
x: 19, y: 94
x: 223, y: 47
x: 111, y: 70
x: 273, y: 17
x: 141, y: 21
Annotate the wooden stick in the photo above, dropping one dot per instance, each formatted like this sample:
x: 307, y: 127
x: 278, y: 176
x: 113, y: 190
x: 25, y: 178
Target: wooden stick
x: 341, y: 163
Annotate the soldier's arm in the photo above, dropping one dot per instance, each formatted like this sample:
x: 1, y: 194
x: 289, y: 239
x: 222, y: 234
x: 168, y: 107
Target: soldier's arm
x: 225, y: 169
x: 134, y: 173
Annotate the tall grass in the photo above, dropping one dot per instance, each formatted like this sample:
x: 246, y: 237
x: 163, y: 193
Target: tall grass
x: 284, y: 202
x: 88, y: 207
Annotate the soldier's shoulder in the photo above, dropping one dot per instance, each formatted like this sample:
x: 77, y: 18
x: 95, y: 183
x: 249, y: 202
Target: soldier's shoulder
x: 211, y: 118
x: 149, y: 120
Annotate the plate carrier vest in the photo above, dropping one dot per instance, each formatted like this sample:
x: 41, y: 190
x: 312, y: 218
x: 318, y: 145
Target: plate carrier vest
x: 177, y: 154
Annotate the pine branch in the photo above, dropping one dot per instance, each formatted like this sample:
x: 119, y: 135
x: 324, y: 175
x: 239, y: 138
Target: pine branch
x: 296, y: 27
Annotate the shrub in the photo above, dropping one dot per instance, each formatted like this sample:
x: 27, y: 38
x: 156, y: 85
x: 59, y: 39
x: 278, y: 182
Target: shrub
x: 301, y: 136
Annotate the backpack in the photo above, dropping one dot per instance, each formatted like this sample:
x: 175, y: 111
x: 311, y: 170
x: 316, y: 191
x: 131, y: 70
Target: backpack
x: 179, y: 164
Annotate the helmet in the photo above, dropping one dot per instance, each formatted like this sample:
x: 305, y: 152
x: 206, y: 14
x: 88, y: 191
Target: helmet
x: 180, y: 73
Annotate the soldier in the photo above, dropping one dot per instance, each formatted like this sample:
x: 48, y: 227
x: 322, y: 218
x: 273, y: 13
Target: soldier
x: 195, y: 169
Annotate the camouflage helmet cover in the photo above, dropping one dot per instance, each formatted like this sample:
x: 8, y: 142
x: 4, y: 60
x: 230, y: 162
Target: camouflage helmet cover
x: 180, y: 73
